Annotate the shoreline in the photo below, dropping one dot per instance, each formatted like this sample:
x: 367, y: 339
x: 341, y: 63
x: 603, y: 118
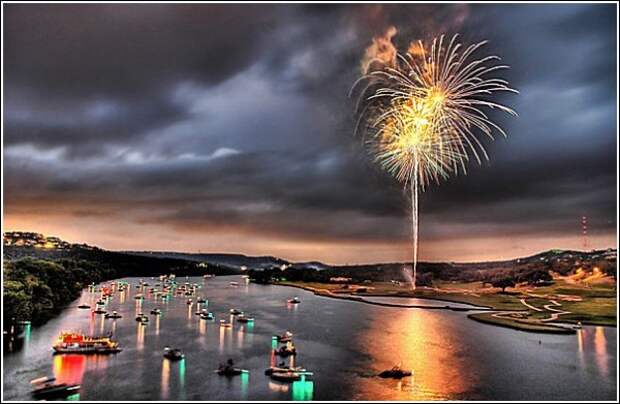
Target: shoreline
x: 484, y: 315
x: 361, y: 299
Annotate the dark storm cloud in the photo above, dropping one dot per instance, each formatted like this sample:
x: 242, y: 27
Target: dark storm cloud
x: 200, y: 117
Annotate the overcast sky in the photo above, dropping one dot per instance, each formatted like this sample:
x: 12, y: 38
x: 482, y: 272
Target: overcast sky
x: 227, y: 128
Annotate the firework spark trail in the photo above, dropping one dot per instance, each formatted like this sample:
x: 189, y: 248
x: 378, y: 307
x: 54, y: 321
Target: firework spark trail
x: 422, y: 111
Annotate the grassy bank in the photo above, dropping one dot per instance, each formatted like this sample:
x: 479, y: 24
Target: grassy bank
x: 562, y: 302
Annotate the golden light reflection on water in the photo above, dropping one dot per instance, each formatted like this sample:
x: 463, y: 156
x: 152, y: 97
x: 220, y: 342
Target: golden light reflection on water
x: 416, y: 340
x: 600, y: 348
x: 157, y: 320
x: 202, y: 326
x: 222, y: 335
x: 165, y: 378
x: 580, y: 348
x: 140, y: 331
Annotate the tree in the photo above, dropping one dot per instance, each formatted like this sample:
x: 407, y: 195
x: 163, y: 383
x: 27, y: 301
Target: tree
x: 503, y: 283
x: 535, y: 276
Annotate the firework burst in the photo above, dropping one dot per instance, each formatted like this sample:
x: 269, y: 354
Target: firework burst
x: 422, y: 113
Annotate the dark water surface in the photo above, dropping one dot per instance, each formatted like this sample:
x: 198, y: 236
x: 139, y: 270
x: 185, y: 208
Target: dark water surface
x: 344, y: 343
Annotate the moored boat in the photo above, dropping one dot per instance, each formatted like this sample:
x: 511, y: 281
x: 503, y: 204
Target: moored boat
x: 275, y: 369
x: 245, y: 319
x: 45, y: 389
x: 173, y: 354
x: 113, y: 315
x: 289, y: 376
x: 294, y: 300
x: 286, y: 337
x: 235, y: 312
x: 284, y: 351
x: 207, y: 316
x: 73, y: 342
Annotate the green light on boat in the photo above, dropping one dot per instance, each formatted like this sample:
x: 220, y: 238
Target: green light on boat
x: 74, y: 397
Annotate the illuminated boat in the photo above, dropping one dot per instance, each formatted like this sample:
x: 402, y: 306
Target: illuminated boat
x: 244, y: 319
x: 99, y: 311
x: 280, y: 369
x: 138, y: 297
x: 235, y: 312
x: 294, y: 300
x: 156, y: 312
x: 288, y: 376
x: 286, y: 337
x: 45, y: 389
x: 142, y: 318
x: 233, y: 283
x: 229, y: 370
x: 201, y: 300
x: 225, y: 324
x: 286, y: 351
x: 113, y: 315
x: 207, y: 316
x: 173, y: 354
x: 83, y: 306
x: 73, y: 342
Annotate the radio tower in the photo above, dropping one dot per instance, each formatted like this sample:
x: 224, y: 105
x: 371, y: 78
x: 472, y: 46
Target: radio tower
x: 584, y: 232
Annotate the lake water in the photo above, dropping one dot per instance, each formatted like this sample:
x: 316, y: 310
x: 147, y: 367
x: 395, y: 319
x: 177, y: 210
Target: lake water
x: 344, y: 343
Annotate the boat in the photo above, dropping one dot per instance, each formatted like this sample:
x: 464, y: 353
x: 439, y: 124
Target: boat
x: 229, y: 369
x: 99, y: 311
x: 280, y: 369
x: 73, y: 342
x: 233, y: 283
x: 285, y: 351
x: 231, y: 372
x: 294, y: 300
x: 235, y: 312
x: 395, y: 373
x: 156, y: 312
x: 142, y: 318
x: 173, y: 354
x: 138, y: 297
x: 83, y: 306
x: 100, y: 303
x: 189, y: 301
x: 201, y: 300
x: 45, y: 389
x: 286, y: 337
x: 207, y: 316
x: 114, y: 314
x: 225, y: 324
x: 244, y: 319
x: 288, y: 376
